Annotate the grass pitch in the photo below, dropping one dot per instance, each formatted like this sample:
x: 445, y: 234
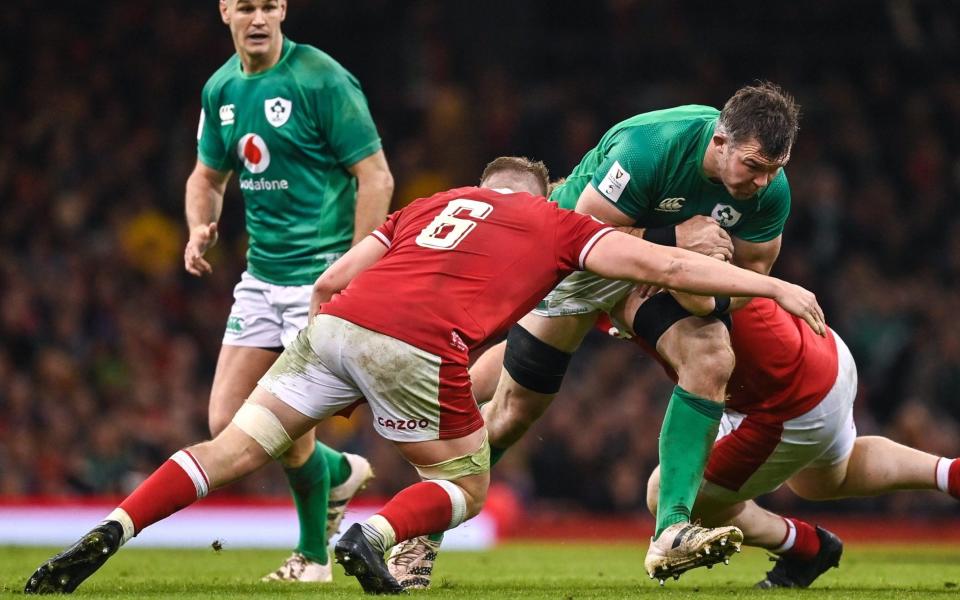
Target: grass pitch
x: 557, y: 571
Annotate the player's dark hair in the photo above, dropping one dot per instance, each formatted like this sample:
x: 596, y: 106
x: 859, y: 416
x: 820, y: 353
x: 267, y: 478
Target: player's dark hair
x: 519, y: 164
x: 764, y: 112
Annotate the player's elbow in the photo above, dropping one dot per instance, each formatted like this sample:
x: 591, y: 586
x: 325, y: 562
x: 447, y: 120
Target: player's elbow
x: 379, y: 181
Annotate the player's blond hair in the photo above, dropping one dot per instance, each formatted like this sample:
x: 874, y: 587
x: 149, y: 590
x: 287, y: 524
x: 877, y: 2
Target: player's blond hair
x: 520, y: 165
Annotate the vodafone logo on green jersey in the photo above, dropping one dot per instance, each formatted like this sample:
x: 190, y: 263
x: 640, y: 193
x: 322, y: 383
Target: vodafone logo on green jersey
x: 252, y: 150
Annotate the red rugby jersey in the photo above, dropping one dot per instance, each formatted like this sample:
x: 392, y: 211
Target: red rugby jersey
x: 464, y: 265
x: 783, y: 367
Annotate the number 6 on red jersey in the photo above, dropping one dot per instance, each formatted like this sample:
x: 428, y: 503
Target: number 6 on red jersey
x: 447, y: 230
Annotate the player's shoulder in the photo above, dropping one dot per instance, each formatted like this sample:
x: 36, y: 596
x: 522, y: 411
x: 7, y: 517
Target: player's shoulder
x: 227, y: 71
x: 315, y: 68
x: 661, y: 133
x: 672, y: 125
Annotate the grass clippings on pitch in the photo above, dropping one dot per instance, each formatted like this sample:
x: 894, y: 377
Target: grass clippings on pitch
x: 557, y: 571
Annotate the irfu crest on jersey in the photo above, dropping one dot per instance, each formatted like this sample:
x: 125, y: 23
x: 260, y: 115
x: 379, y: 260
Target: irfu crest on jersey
x: 277, y: 110
x: 725, y: 215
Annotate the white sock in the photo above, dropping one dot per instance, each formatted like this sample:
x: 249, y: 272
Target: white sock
x: 788, y: 541
x: 379, y: 532
x: 120, y: 516
x: 943, y: 474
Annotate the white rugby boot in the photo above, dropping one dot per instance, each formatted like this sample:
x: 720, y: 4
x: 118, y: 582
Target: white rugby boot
x: 685, y: 546
x: 300, y: 568
x: 411, y: 562
x: 361, y: 473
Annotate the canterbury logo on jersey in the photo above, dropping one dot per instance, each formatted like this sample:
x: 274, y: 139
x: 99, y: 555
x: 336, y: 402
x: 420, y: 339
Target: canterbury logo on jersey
x: 670, y: 205
x: 227, y: 116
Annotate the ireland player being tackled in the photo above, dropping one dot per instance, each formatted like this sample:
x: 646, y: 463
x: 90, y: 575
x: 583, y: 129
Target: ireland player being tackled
x: 692, y: 176
x: 295, y: 126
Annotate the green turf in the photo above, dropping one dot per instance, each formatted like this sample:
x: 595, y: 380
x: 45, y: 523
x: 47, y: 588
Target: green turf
x: 559, y: 571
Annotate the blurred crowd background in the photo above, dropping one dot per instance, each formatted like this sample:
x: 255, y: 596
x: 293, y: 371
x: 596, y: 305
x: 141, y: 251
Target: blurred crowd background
x: 107, y: 346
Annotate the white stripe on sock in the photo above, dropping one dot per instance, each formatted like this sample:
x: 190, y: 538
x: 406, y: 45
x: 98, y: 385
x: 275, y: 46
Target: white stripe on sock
x: 791, y: 538
x: 193, y: 470
x: 379, y: 532
x: 120, y: 516
x: 943, y: 474
x: 457, y: 501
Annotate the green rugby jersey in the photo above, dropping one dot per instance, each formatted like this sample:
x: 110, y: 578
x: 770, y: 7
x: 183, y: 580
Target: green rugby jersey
x: 290, y: 132
x: 650, y: 166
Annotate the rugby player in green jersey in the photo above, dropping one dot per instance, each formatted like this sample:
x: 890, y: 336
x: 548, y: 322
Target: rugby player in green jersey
x: 295, y: 127
x: 692, y: 176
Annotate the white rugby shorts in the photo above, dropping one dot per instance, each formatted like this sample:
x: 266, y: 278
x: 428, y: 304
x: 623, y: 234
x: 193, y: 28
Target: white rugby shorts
x: 756, y: 454
x: 414, y: 395
x: 265, y: 315
x: 582, y: 292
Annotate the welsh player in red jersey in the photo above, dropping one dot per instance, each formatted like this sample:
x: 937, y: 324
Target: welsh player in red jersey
x: 789, y: 419
x: 395, y: 320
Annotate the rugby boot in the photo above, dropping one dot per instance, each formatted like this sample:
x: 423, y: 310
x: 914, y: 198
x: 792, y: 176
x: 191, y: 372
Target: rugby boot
x: 300, y: 568
x: 796, y: 573
x: 411, y: 562
x: 65, y: 571
x: 360, y: 559
x: 361, y: 473
x: 685, y: 546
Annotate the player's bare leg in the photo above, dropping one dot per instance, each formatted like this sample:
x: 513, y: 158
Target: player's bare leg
x: 515, y: 407
x: 455, y: 480
x: 699, y: 350
x: 307, y: 465
x: 261, y: 431
x: 876, y: 465
x: 485, y: 373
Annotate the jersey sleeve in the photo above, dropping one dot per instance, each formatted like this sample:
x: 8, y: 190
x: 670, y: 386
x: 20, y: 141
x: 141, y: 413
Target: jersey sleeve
x: 345, y: 120
x: 210, y: 147
x: 576, y: 235
x: 385, y: 232
x: 771, y: 215
x: 628, y: 173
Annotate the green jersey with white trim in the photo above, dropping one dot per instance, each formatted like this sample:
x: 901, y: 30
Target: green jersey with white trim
x: 290, y: 132
x: 650, y: 166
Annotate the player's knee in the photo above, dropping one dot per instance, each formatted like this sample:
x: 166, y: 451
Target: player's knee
x: 476, y: 497
x: 653, y: 491
x: 533, y: 363
x: 707, y: 356
x: 264, y: 428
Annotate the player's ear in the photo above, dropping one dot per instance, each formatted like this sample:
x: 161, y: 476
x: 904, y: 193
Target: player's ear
x: 283, y: 10
x: 225, y: 12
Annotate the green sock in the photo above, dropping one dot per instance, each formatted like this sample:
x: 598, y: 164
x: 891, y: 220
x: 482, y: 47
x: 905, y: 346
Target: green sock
x: 496, y: 454
x: 688, y: 433
x: 310, y: 484
x: 337, y: 464
x: 435, y: 537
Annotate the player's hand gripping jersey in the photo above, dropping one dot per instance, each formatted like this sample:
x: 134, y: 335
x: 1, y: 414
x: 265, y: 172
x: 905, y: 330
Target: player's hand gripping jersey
x: 464, y: 265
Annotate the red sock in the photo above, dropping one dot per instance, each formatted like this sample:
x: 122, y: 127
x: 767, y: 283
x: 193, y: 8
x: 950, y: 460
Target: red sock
x: 178, y: 483
x: 952, y: 477
x: 424, y: 508
x: 805, y: 543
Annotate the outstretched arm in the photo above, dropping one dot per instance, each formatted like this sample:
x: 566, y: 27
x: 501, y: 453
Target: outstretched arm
x: 621, y: 256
